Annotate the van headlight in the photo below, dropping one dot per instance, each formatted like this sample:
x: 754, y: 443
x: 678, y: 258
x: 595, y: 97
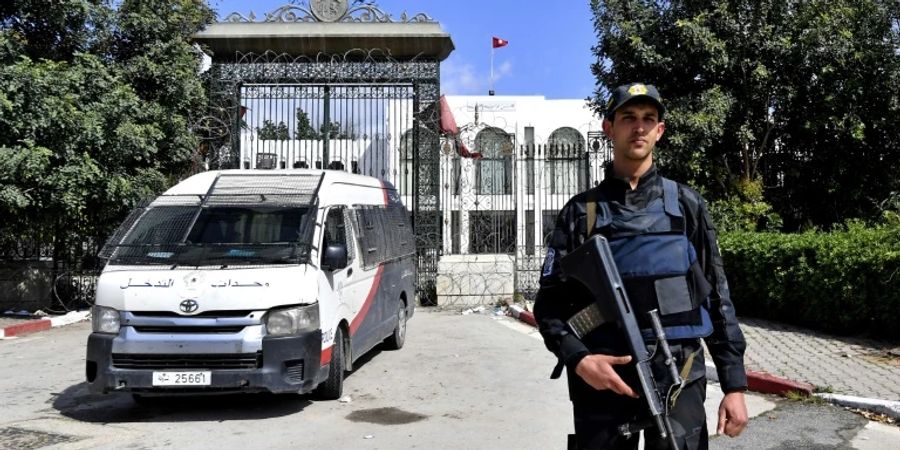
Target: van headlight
x: 105, y: 320
x: 294, y: 320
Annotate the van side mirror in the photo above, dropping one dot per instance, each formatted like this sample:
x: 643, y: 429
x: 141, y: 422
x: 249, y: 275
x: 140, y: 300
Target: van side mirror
x: 335, y: 257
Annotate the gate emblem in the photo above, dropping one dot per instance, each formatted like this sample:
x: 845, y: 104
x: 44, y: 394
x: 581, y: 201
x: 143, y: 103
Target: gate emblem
x: 328, y: 10
x: 189, y: 306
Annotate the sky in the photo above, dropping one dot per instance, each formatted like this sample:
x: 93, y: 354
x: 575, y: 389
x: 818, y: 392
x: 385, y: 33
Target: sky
x: 549, y: 51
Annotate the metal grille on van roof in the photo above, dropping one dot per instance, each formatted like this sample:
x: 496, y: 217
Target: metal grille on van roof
x: 259, y: 189
x: 181, y: 211
x: 177, y: 200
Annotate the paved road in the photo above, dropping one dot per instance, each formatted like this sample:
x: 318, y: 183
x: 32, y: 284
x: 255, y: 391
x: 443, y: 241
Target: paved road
x: 462, y: 382
x: 455, y: 385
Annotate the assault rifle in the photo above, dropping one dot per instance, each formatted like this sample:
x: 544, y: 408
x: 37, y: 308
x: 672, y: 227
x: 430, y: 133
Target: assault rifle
x: 592, y: 265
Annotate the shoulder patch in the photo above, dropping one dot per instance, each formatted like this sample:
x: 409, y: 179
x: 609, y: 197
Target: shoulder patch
x: 548, y: 262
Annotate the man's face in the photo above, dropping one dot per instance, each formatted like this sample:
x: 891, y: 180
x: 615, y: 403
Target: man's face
x: 635, y: 131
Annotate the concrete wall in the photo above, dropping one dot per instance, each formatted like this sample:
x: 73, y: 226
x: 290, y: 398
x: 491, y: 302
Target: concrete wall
x: 471, y: 280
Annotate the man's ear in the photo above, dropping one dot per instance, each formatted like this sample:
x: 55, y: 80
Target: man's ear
x: 662, y: 129
x: 607, y: 128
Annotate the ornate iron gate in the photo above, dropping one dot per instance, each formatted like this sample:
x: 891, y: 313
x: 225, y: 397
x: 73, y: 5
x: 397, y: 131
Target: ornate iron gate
x: 362, y: 112
x: 352, y: 127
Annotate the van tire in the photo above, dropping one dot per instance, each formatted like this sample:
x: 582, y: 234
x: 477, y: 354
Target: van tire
x: 396, y: 340
x: 333, y: 386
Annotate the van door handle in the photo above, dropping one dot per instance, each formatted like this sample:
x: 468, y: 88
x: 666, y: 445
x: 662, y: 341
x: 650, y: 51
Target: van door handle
x: 349, y: 271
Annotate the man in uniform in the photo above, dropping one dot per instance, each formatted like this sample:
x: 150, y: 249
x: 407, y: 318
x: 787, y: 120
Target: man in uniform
x: 665, y: 248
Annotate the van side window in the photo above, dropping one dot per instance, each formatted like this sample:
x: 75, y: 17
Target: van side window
x: 384, y: 234
x: 348, y: 233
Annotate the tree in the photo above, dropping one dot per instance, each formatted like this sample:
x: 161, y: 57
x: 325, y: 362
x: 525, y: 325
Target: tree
x: 767, y: 91
x: 841, y: 125
x: 270, y: 131
x: 305, y: 129
x: 334, y: 130
x: 95, y: 104
x: 153, y: 42
x: 55, y: 30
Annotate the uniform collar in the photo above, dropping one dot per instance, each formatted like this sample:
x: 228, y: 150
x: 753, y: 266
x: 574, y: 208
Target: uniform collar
x: 648, y: 178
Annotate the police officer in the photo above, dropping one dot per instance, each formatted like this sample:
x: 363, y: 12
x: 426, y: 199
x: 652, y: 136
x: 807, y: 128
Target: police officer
x: 665, y: 248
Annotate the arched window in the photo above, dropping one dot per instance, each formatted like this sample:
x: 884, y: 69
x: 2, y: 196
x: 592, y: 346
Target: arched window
x: 566, y: 161
x: 494, y: 169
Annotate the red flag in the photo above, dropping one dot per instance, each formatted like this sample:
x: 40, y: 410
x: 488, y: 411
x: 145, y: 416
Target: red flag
x: 448, y: 127
x: 497, y: 42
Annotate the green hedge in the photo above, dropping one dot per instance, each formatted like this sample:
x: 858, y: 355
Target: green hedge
x: 845, y: 282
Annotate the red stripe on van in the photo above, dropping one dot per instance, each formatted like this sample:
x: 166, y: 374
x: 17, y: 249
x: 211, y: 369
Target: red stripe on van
x: 384, y: 190
x: 326, y: 356
x: 376, y: 282
x: 360, y: 316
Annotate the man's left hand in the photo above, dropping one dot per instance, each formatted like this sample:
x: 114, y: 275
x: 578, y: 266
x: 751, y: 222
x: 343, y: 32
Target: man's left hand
x: 732, y: 414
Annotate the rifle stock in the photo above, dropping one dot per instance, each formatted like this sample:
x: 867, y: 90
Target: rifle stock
x: 592, y: 265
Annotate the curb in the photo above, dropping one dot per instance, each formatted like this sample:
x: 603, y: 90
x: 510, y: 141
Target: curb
x: 31, y: 326
x: 770, y: 384
x: 34, y: 326
x: 886, y: 407
x: 765, y: 383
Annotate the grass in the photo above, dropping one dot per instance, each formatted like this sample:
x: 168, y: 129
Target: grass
x: 802, y: 397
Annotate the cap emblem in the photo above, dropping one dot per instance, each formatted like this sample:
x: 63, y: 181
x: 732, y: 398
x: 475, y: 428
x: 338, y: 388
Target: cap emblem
x: 638, y: 89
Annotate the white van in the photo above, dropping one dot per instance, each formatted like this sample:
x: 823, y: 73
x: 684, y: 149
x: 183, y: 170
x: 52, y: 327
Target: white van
x: 249, y: 281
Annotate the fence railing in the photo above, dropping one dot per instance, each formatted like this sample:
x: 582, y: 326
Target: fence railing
x: 39, y: 272
x: 508, y: 205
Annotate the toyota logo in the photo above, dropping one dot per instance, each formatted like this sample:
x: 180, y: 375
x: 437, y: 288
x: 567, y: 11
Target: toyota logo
x: 189, y: 306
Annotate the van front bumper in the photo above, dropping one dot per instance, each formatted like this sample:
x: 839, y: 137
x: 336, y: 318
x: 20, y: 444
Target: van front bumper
x: 283, y: 365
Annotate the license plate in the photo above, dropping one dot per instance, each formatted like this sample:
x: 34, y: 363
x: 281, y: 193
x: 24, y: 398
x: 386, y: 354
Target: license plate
x: 181, y: 378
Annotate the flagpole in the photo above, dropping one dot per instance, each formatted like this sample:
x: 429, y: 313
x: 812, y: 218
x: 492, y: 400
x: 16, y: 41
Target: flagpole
x: 491, y: 91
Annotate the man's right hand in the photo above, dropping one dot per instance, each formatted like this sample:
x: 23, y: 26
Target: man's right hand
x: 597, y: 371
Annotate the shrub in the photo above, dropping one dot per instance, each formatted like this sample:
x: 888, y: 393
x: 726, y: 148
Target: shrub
x: 845, y: 281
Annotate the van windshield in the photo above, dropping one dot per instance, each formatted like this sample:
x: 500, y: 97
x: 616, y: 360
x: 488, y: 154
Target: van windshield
x: 218, y: 235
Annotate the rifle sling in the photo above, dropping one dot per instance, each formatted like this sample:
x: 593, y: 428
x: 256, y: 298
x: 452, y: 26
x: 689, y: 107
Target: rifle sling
x: 591, y: 219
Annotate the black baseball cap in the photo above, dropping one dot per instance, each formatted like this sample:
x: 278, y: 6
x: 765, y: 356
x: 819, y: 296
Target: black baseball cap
x: 628, y: 92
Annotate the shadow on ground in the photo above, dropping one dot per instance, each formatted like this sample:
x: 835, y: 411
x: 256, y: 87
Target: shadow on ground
x: 77, y: 402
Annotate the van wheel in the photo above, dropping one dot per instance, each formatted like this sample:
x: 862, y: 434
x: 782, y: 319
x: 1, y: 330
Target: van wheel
x: 396, y: 340
x: 333, y: 386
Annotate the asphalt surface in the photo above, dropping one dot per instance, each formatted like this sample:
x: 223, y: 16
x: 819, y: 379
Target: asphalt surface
x: 455, y: 385
x: 462, y: 382
x: 796, y: 425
